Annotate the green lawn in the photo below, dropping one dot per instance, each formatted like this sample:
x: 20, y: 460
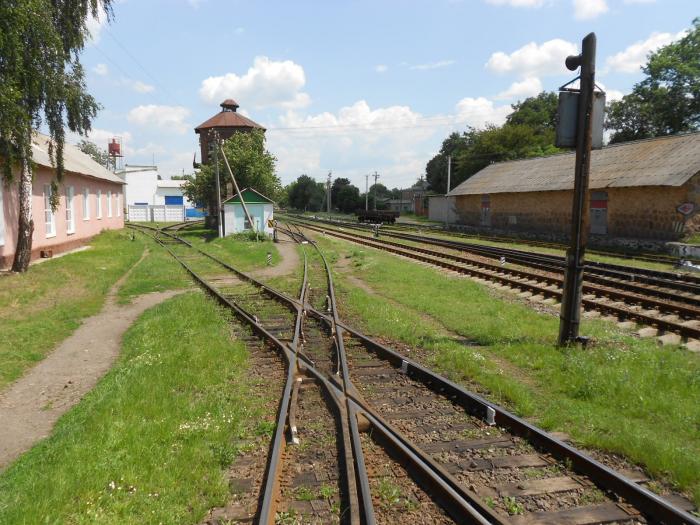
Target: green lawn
x: 151, y: 443
x: 623, y: 394
x: 43, y: 306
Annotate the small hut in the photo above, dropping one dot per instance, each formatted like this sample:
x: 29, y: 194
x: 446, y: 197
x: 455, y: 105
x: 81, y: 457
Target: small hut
x: 259, y: 207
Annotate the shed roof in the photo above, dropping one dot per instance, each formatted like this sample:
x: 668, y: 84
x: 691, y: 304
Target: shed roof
x: 74, y: 160
x: 251, y: 196
x: 661, y: 161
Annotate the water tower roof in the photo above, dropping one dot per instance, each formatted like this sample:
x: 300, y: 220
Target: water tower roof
x: 228, y: 118
x: 229, y: 103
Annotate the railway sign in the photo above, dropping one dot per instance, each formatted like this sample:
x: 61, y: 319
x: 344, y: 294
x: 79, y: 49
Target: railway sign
x: 686, y: 208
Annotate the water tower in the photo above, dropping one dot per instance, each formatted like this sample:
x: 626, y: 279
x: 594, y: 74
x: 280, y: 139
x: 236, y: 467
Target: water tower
x: 114, y: 153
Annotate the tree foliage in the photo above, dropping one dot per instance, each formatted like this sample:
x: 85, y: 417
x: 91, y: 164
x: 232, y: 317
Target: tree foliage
x: 305, y: 194
x: 252, y: 165
x: 667, y: 101
x: 97, y: 154
x: 42, y: 81
x: 528, y: 132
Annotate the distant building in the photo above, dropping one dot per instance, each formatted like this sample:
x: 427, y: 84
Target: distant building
x: 259, y: 207
x: 646, y: 189
x: 150, y: 199
x: 225, y: 123
x: 90, y: 199
x: 417, y: 195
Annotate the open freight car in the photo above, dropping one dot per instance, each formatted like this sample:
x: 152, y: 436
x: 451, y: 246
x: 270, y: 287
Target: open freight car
x: 377, y: 216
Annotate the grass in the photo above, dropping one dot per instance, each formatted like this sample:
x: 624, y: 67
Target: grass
x: 156, y: 273
x: 43, y: 306
x: 239, y: 251
x: 623, y: 394
x: 151, y: 442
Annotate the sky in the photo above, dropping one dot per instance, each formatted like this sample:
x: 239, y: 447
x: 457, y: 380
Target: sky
x: 353, y: 87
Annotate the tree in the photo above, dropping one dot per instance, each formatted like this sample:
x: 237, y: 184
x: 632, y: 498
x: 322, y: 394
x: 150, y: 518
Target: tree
x: 305, y: 194
x: 528, y: 132
x: 93, y: 150
x: 667, y: 101
x: 42, y: 82
x: 252, y: 165
x: 338, y: 185
x: 348, y: 199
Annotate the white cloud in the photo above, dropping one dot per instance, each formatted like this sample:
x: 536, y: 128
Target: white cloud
x: 528, y: 87
x: 267, y: 83
x: 432, y: 65
x: 94, y: 27
x: 588, y: 9
x: 635, y: 55
x: 239, y: 30
x: 101, y: 69
x: 533, y: 59
x: 380, y: 68
x: 610, y: 94
x: 195, y: 3
x: 518, y: 3
x: 477, y: 112
x: 639, y: 1
x: 142, y: 87
x: 171, y: 118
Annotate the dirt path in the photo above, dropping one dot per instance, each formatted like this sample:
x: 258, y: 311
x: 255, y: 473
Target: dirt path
x: 31, y: 406
x: 289, y: 263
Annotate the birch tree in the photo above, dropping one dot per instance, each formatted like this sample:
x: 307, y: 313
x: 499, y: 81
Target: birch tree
x: 42, y: 83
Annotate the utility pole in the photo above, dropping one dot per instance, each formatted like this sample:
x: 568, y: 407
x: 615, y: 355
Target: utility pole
x: 376, y: 176
x: 328, y: 192
x: 449, y: 173
x: 218, y: 187
x: 366, y: 192
x: 570, y: 316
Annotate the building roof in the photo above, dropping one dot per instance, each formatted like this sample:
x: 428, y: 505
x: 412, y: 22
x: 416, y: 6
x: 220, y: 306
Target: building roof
x: 228, y: 117
x: 171, y: 183
x: 661, y: 161
x: 250, y: 196
x: 74, y: 160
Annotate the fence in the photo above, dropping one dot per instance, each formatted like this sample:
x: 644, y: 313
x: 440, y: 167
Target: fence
x: 156, y: 213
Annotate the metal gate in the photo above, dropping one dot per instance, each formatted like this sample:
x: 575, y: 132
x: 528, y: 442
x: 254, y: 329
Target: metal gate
x: 599, y: 212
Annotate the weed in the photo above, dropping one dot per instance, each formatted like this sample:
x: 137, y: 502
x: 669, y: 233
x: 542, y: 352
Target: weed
x: 265, y: 428
x: 512, y: 506
x: 490, y: 502
x: 326, y: 491
x: 389, y: 492
x: 304, y: 493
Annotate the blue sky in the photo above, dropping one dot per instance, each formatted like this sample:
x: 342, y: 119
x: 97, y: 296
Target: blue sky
x: 350, y: 86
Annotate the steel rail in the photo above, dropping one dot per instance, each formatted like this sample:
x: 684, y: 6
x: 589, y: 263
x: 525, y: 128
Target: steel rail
x: 648, y: 257
x: 438, y: 260
x: 606, y: 478
x: 609, y: 269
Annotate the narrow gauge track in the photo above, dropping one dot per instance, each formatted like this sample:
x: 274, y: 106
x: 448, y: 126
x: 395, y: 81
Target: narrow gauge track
x: 648, y: 257
x: 675, y: 313
x: 466, y: 499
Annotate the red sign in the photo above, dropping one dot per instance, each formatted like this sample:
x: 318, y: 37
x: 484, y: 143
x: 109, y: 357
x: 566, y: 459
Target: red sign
x: 686, y: 208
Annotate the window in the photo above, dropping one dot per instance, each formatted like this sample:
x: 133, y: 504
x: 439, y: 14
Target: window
x: 99, y: 204
x: 109, y: 203
x: 2, y: 219
x: 119, y: 204
x: 70, y: 211
x: 86, y: 204
x: 49, y: 219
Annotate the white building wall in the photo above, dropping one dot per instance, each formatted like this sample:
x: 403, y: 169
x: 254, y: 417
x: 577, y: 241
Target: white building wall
x: 141, y: 184
x: 174, y: 192
x: 234, y: 217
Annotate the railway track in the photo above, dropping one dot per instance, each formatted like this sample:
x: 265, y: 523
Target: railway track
x: 658, y: 301
x: 366, y: 435
x: 399, y: 227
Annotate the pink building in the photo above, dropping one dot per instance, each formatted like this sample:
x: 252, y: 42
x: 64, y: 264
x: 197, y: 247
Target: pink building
x: 90, y: 200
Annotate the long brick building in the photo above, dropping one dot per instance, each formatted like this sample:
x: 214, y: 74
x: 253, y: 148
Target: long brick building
x: 647, y: 189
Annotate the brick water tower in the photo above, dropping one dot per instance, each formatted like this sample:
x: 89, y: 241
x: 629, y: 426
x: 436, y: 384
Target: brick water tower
x: 225, y: 123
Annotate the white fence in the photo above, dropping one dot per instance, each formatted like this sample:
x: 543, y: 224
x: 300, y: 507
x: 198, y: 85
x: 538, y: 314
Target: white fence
x: 156, y: 213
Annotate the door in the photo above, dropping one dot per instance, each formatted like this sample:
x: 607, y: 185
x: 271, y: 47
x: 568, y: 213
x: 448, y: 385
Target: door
x: 599, y: 212
x: 485, y: 210
x: 173, y: 200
